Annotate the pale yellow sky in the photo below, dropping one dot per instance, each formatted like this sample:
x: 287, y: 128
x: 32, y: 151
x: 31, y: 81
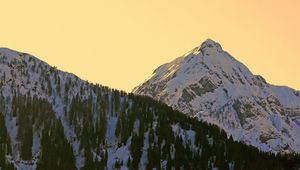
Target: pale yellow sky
x: 120, y: 42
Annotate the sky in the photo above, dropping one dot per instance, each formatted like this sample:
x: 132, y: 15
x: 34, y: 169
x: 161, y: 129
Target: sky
x: 119, y: 43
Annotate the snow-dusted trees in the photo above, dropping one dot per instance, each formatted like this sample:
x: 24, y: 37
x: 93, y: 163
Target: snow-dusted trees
x: 153, y: 135
x: 5, y: 148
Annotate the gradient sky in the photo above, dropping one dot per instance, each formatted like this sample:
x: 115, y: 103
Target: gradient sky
x: 120, y: 42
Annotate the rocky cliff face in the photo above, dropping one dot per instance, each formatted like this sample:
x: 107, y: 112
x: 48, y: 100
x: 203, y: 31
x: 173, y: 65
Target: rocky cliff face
x: 210, y: 84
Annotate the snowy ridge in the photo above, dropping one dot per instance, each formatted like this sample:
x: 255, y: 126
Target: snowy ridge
x: 22, y: 74
x: 210, y: 84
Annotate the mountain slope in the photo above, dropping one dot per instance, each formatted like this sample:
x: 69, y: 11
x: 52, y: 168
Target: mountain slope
x: 51, y: 119
x: 210, y: 84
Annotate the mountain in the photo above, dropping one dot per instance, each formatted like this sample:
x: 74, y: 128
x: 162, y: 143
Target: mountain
x: 50, y: 119
x: 208, y: 83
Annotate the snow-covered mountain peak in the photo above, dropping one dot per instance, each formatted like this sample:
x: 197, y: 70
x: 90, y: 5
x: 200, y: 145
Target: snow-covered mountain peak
x: 207, y: 48
x: 210, y: 84
x: 211, y: 44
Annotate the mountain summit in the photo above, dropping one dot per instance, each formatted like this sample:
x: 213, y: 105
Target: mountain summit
x: 210, y: 84
x: 209, y: 43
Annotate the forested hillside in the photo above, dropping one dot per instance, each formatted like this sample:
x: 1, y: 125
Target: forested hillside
x: 144, y: 134
x: 50, y: 119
